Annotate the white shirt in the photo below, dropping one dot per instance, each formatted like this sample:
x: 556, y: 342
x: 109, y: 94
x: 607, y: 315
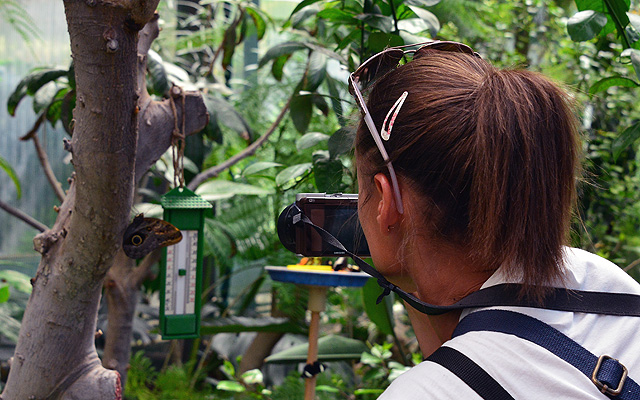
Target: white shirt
x: 526, y: 370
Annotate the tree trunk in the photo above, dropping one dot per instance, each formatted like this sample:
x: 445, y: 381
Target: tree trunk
x: 55, y: 356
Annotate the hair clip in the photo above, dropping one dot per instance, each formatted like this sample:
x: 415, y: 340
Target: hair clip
x: 396, y: 106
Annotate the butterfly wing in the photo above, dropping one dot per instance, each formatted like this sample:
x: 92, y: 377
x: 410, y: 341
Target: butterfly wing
x: 144, y: 235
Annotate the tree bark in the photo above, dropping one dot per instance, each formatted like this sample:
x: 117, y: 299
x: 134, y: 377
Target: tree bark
x: 55, y: 356
x: 156, y: 123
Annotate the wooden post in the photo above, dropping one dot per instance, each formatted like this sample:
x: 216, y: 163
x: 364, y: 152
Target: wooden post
x: 317, y: 300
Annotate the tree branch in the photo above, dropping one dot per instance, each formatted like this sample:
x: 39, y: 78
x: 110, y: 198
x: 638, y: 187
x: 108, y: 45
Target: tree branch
x: 44, y: 160
x: 250, y: 150
x: 155, y: 118
x: 143, y: 270
x: 631, y: 266
x: 24, y: 217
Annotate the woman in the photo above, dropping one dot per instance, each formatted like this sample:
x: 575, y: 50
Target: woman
x: 473, y: 187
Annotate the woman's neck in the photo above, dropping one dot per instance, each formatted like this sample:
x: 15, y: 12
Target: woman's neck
x: 442, y: 274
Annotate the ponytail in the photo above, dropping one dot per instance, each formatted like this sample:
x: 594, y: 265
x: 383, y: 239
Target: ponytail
x: 494, y: 152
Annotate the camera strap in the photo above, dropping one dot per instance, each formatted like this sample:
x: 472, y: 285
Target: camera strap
x: 506, y: 294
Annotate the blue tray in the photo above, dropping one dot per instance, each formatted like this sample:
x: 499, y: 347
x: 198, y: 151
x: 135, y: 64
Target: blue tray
x: 315, y: 278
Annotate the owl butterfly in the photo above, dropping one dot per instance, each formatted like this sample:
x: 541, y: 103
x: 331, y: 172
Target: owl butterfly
x: 144, y: 235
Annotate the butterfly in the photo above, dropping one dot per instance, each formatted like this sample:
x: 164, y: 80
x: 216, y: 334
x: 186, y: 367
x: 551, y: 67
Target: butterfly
x: 144, y: 235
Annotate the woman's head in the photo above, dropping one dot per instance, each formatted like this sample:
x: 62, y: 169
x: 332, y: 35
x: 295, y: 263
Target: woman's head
x: 493, y: 155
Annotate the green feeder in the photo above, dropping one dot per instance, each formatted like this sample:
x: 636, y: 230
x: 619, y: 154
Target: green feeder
x: 181, y: 265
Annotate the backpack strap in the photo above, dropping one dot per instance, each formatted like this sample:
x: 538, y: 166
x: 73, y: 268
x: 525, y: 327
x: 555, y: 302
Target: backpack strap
x: 470, y: 373
x: 607, y: 373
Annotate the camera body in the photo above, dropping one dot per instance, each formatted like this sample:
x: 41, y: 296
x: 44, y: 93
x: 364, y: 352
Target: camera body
x: 336, y: 213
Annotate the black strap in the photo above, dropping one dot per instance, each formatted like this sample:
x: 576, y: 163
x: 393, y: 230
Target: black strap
x: 507, y: 294
x: 607, y: 373
x: 470, y: 373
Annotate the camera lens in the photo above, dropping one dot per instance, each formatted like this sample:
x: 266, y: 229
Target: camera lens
x: 286, y: 229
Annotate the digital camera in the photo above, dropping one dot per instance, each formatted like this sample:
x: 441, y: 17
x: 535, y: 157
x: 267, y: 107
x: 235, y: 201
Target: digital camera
x: 335, y: 213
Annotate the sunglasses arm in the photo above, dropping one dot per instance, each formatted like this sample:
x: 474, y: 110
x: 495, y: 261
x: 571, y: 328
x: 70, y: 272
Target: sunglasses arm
x: 392, y: 173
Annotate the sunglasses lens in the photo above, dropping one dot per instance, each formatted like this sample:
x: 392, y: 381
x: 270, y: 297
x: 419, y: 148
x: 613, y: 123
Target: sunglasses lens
x: 377, y: 66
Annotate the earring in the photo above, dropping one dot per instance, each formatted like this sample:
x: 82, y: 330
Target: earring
x: 389, y: 228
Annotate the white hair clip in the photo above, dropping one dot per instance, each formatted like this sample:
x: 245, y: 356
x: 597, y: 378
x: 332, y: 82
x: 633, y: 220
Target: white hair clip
x: 397, y: 105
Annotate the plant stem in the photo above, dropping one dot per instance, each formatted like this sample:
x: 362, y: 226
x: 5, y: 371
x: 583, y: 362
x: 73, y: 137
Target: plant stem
x: 250, y: 150
x: 44, y: 160
x: 24, y: 217
x: 395, y: 17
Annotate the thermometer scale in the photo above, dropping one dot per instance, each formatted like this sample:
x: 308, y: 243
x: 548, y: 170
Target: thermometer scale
x: 182, y: 268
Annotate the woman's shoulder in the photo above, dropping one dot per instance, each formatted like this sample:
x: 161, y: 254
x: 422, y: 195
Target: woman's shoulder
x: 587, y: 271
x: 428, y: 380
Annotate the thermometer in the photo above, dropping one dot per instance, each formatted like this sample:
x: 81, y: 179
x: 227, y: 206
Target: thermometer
x: 182, y: 267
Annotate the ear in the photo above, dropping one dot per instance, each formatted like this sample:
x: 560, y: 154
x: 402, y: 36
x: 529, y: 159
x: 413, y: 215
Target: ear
x: 388, y: 214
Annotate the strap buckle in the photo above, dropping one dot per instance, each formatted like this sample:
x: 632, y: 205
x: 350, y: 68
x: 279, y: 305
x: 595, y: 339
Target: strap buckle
x: 603, y: 387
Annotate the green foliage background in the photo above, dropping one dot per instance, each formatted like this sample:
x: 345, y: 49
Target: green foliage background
x: 303, y: 60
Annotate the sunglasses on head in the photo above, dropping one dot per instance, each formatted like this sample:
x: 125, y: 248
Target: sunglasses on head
x: 376, y: 67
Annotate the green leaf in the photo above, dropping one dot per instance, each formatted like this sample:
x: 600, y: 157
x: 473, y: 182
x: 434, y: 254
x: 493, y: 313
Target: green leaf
x: 302, y: 5
x: 4, y: 294
x: 66, y: 110
x: 280, y: 50
x: 212, y: 130
x: 310, y: 139
x: 228, y: 368
x: 625, y: 139
x: 327, y: 389
x: 228, y: 45
x: 300, y: 110
x: 380, y: 22
x: 300, y: 17
x: 328, y: 174
x: 379, y: 41
x: 617, y: 10
x: 259, y: 167
x: 258, y: 21
x: 606, y: 83
x: 4, y: 165
x: 277, y: 67
x: 380, y: 314
x: 421, y: 3
x: 330, y: 348
x: 320, y: 103
x: 635, y: 61
x: 38, y: 79
x: 17, y: 280
x: 44, y: 97
x: 227, y: 115
x: 253, y: 376
x: 317, y: 71
x: 341, y: 142
x: 219, y: 189
x: 18, y: 94
x: 157, y: 73
x: 230, y: 386
x: 413, y: 25
x: 429, y: 18
x: 337, y: 16
x: 336, y: 102
x: 370, y: 359
x: 291, y: 173
x: 585, y: 25
x: 381, y: 352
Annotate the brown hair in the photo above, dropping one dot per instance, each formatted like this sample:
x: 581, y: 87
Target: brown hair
x: 494, y: 152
